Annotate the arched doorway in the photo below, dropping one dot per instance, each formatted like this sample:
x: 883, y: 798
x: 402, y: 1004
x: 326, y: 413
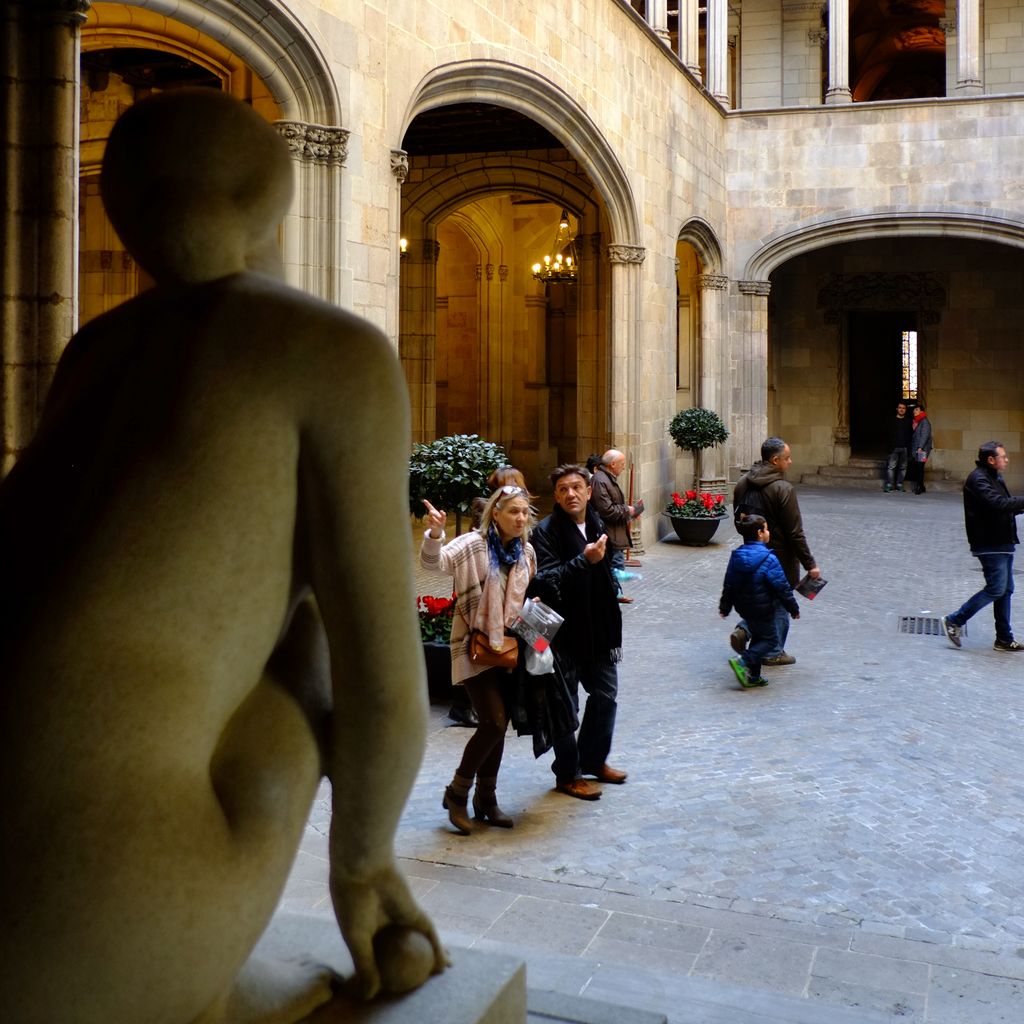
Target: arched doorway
x: 489, y: 347
x: 127, y: 55
x: 490, y: 129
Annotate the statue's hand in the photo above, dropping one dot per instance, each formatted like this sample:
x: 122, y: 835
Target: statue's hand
x: 393, y: 943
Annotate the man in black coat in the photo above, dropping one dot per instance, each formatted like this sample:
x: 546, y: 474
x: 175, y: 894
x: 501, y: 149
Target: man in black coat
x: 989, y: 517
x: 901, y: 431
x: 574, y: 576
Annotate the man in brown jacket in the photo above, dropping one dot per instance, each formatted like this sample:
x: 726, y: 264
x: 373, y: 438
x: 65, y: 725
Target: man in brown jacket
x: 607, y: 500
x: 764, y: 490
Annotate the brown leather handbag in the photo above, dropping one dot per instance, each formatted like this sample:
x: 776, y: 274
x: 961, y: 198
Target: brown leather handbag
x: 482, y: 653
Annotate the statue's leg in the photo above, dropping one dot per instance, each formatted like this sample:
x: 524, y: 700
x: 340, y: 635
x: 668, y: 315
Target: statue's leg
x: 265, y: 777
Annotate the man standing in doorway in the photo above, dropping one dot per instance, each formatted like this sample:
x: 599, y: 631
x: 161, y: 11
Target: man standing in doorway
x: 989, y: 517
x: 608, y: 501
x: 901, y: 430
x: 574, y: 576
x: 765, y: 491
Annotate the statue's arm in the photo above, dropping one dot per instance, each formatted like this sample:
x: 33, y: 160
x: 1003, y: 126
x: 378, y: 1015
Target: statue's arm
x: 354, y: 508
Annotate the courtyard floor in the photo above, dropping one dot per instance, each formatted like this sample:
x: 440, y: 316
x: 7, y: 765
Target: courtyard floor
x: 845, y: 845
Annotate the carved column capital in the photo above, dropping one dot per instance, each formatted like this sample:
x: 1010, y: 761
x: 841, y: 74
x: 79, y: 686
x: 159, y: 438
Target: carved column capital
x: 754, y: 287
x: 400, y: 165
x: 432, y: 252
x: 71, y: 12
x: 817, y: 36
x: 315, y: 143
x: 626, y: 253
x: 713, y: 282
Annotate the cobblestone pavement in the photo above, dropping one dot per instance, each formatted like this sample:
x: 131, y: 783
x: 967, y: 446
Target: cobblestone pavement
x: 846, y: 840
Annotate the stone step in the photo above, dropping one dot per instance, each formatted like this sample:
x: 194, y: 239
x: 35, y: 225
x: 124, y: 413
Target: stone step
x: 867, y: 475
x: 554, y: 1008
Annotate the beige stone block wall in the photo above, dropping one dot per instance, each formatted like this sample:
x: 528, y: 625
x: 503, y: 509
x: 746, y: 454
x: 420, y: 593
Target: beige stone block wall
x: 761, y: 54
x: 971, y: 372
x: 1003, y: 48
x: 790, y: 170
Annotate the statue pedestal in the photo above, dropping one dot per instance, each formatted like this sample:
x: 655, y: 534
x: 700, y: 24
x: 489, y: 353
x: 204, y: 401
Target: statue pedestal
x: 479, y: 988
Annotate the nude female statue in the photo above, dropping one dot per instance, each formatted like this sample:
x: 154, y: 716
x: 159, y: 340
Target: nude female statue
x: 167, y: 704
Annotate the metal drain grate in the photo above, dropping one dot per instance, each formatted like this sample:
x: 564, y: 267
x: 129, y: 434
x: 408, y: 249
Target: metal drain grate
x: 923, y: 625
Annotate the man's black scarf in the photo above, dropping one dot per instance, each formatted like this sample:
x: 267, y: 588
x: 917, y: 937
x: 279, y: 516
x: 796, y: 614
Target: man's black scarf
x: 594, y: 620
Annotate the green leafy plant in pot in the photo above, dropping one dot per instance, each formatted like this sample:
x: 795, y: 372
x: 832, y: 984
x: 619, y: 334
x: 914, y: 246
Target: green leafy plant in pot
x: 450, y: 472
x: 695, y: 430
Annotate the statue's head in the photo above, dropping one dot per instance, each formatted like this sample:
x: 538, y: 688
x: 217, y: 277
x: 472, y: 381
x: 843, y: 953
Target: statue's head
x: 195, y: 182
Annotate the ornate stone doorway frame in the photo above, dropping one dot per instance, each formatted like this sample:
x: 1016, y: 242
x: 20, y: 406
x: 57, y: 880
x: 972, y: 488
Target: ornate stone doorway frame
x: 923, y: 293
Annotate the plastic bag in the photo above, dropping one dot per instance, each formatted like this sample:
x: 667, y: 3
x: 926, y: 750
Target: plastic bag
x: 537, y: 624
x: 539, y: 663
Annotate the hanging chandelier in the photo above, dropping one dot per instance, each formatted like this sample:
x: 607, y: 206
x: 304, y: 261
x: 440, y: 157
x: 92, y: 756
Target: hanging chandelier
x: 563, y: 264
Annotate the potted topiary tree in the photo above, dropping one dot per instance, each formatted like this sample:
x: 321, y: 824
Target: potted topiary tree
x: 450, y: 472
x: 694, y: 430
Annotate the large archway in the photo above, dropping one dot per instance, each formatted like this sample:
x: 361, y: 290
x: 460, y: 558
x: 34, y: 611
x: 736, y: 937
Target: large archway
x: 490, y: 177
x: 857, y: 326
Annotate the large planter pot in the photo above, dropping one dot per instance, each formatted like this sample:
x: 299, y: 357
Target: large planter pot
x: 439, y: 671
x: 694, y: 531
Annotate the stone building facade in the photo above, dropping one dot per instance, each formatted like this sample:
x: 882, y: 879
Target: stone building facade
x: 786, y: 211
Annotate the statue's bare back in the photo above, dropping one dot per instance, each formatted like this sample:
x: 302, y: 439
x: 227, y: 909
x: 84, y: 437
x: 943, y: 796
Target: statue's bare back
x: 168, y: 705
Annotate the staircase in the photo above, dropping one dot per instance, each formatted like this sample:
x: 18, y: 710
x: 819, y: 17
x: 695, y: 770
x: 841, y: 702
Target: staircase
x: 868, y: 475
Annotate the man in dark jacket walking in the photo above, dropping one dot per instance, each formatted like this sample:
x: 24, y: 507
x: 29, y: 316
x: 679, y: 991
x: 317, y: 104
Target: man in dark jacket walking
x: 989, y: 517
x: 574, y: 576
x: 764, y: 490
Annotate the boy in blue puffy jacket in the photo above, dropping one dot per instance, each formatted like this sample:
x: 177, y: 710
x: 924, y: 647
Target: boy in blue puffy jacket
x: 754, y: 585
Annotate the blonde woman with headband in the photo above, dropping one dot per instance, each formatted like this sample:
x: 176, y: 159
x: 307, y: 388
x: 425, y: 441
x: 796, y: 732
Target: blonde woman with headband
x: 492, y: 566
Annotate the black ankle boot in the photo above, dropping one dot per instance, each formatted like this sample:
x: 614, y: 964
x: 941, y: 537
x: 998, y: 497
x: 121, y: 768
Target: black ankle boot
x: 485, y: 808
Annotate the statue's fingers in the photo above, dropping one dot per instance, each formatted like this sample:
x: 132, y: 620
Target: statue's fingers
x: 366, y: 982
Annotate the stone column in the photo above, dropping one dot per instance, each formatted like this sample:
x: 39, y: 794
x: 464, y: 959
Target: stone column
x: 710, y: 391
x: 537, y: 390
x: 400, y: 171
x: 968, y: 56
x: 312, y: 235
x: 749, y: 375
x: 39, y: 48
x: 838, y: 52
x: 657, y: 13
x: 689, y: 35
x: 417, y: 330
x: 718, y: 50
x: 589, y: 403
x: 841, y: 433
x: 626, y: 391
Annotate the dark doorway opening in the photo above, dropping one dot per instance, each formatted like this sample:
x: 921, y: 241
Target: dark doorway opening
x: 876, y: 377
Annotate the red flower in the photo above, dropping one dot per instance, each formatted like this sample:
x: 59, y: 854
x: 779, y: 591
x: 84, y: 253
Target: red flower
x: 690, y: 495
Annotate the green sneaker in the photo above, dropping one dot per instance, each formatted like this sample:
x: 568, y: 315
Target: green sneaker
x: 741, y: 672
x: 760, y: 681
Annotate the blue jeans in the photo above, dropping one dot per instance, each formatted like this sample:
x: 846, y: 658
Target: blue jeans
x: 898, y: 463
x: 585, y: 755
x: 781, y: 631
x: 998, y: 570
